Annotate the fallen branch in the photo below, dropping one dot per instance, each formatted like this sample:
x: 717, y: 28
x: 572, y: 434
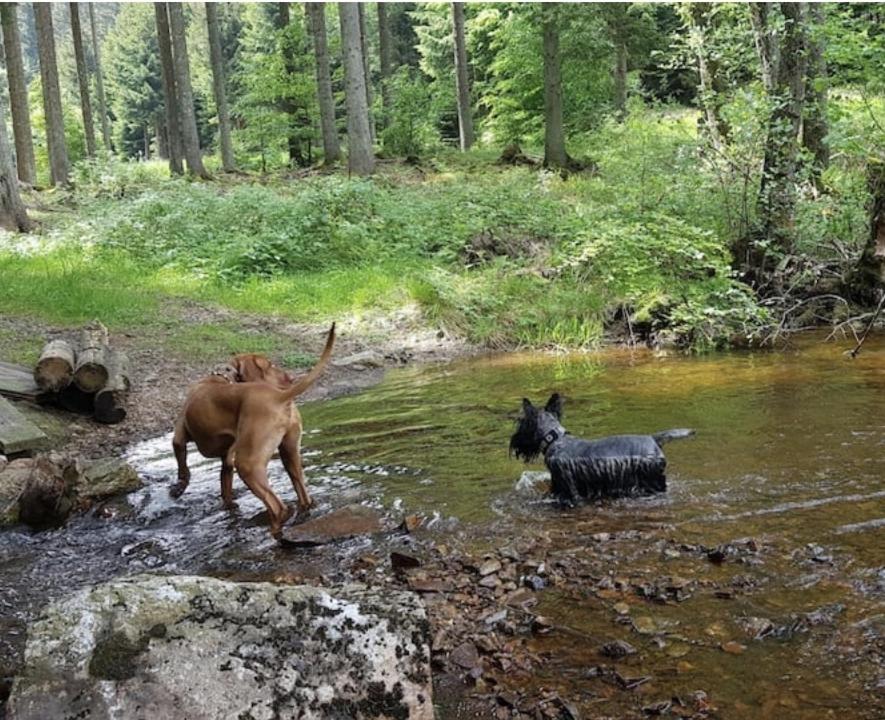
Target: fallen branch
x: 869, y: 327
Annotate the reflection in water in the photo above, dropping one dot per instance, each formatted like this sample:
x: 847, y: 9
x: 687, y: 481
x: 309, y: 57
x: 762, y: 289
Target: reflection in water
x: 788, y: 456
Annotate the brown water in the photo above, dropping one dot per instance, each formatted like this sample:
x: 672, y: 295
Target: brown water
x: 787, y: 472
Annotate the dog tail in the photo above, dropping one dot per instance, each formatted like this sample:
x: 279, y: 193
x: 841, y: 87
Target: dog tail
x: 675, y: 434
x: 317, y: 370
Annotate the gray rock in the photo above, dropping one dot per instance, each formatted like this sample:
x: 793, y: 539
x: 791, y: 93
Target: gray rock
x: 366, y: 359
x: 13, y: 479
x: 194, y: 647
x: 106, y: 477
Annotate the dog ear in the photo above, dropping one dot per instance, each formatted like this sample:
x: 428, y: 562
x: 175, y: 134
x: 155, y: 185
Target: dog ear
x: 554, y: 405
x: 527, y: 408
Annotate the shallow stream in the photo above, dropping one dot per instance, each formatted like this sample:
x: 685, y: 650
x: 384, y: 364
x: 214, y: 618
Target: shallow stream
x: 786, y: 476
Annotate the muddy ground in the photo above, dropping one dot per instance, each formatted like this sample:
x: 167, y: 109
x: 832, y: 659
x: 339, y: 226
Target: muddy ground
x: 162, y: 372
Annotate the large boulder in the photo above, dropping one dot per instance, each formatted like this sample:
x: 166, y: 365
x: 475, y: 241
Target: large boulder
x: 199, y: 648
x: 106, y: 477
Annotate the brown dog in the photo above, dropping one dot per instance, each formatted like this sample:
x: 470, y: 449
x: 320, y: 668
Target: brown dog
x: 244, y: 420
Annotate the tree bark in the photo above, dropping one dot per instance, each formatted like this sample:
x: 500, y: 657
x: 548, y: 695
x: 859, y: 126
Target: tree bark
x: 82, y: 79
x: 59, y: 167
x: 384, y: 51
x: 367, y: 70
x: 620, y: 79
x: 766, y: 43
x: 777, y: 193
x: 815, y: 127
x: 868, y: 278
x: 288, y: 106
x: 316, y: 14
x: 360, y: 158
x: 18, y: 95
x: 13, y: 215
x: 55, y: 368
x: 462, y: 81
x: 110, y: 400
x: 227, y: 152
x: 170, y: 94
x: 187, y: 116
x: 554, y: 134
x: 699, y: 24
x: 91, y: 370
x: 99, y: 84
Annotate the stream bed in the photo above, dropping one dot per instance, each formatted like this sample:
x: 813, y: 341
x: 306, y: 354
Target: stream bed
x: 754, y: 588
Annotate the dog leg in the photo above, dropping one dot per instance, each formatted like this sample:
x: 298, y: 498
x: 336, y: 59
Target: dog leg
x: 290, y: 454
x: 255, y: 477
x: 180, y: 440
x: 227, y: 481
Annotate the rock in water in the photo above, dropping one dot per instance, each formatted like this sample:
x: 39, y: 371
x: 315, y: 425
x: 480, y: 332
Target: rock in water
x: 347, y: 522
x: 195, y: 647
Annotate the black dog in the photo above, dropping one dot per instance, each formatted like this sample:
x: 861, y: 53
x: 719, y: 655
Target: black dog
x: 609, y: 467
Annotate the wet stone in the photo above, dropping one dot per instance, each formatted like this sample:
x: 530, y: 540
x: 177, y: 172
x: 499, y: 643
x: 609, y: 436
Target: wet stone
x: 342, y: 524
x: 617, y: 649
x: 733, y: 648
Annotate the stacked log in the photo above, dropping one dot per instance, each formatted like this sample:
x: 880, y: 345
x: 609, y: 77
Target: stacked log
x: 88, y: 378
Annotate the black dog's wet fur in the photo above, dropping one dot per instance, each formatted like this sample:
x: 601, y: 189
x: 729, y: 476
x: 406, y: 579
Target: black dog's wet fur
x: 609, y: 467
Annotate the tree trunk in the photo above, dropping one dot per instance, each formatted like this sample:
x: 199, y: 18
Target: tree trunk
x: 868, y: 278
x: 82, y: 79
x: 91, y: 369
x: 384, y: 50
x: 296, y: 155
x: 316, y: 14
x: 367, y: 70
x: 110, y: 400
x: 815, y: 126
x: 18, y: 95
x: 13, y: 215
x: 699, y: 24
x: 187, y: 117
x: 462, y: 82
x: 170, y: 95
x: 766, y: 45
x: 777, y: 194
x: 360, y: 159
x: 59, y: 167
x: 99, y: 83
x: 227, y: 152
x: 55, y: 368
x: 554, y: 134
x: 620, y: 80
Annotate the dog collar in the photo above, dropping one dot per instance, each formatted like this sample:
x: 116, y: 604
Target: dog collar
x: 551, y: 437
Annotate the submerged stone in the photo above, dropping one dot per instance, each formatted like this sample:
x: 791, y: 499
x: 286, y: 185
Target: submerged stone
x: 342, y: 524
x: 151, y: 646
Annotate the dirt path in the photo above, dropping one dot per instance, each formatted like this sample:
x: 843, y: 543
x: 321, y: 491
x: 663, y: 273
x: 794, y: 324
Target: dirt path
x: 167, y: 357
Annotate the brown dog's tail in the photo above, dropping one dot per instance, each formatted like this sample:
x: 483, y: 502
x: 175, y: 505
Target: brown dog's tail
x: 311, y: 377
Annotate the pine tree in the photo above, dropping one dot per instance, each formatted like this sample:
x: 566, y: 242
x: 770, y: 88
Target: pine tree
x: 462, y: 83
x: 18, y: 95
x: 360, y: 158
x: 170, y: 94
x: 227, y: 153
x: 82, y: 79
x: 99, y: 83
x: 554, y: 134
x: 59, y: 166
x: 316, y: 13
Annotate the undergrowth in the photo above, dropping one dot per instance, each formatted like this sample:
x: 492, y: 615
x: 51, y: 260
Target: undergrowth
x: 504, y: 256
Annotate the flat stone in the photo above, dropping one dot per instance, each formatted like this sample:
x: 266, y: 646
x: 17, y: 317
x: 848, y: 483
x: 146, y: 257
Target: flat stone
x: 733, y: 648
x: 465, y: 655
x: 196, y: 647
x: 489, y: 567
x: 366, y: 359
x: 342, y: 524
x: 106, y: 477
x: 430, y: 585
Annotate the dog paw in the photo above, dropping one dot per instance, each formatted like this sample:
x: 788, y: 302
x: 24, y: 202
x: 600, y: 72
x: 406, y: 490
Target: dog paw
x: 177, y: 489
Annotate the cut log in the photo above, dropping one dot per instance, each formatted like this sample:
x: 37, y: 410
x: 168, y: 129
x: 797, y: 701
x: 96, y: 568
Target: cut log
x: 110, y: 401
x: 91, y: 372
x: 17, y: 433
x: 74, y: 400
x: 55, y: 368
x: 17, y: 382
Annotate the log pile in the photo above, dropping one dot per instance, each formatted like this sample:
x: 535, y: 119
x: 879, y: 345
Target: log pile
x: 88, y: 377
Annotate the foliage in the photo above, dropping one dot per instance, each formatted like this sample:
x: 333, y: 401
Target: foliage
x: 409, y: 129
